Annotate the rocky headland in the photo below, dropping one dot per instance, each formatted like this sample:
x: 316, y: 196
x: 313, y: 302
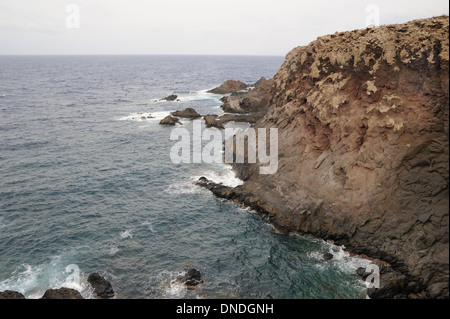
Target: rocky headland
x: 362, y: 119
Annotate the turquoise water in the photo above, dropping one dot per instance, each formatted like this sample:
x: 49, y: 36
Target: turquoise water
x: 84, y: 181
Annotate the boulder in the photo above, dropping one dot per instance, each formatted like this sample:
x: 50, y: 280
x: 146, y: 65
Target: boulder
x: 191, y: 279
x: 229, y: 86
x: 169, y: 120
x: 62, y: 293
x: 102, y: 287
x: 8, y: 294
x: 188, y: 113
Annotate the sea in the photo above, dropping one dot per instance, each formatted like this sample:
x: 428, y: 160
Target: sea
x: 87, y: 185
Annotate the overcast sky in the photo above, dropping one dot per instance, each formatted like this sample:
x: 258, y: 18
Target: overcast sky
x: 239, y: 27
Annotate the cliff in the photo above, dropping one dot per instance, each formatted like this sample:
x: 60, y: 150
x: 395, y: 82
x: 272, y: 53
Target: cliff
x: 362, y: 119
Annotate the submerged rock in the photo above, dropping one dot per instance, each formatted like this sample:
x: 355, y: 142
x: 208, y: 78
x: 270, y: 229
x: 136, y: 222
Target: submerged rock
x: 102, y: 287
x: 62, y: 293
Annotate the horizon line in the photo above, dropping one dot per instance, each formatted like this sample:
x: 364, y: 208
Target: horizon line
x: 140, y: 54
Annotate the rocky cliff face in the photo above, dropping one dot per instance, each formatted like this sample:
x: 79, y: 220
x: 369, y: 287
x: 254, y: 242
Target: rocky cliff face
x: 363, y: 147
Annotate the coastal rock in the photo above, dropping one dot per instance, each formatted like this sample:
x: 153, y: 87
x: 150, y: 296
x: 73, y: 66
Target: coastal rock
x: 188, y: 113
x: 255, y: 100
x: 170, y: 98
x: 212, y: 121
x: 249, y: 118
x: 102, y: 287
x: 8, y: 294
x: 62, y: 293
x: 229, y: 86
x: 169, y: 120
x: 362, y: 119
x: 191, y: 279
x: 327, y: 256
x: 261, y: 81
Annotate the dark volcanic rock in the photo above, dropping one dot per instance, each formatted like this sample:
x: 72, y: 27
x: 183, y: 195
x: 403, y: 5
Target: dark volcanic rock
x: 188, y: 113
x: 169, y: 120
x: 229, y: 86
x: 191, y: 279
x: 392, y: 285
x: 102, y: 287
x: 8, y: 294
x: 328, y: 256
x: 170, y: 98
x: 62, y: 293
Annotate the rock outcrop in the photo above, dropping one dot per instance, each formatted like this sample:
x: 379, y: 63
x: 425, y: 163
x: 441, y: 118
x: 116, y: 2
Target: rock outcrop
x: 102, y: 287
x: 213, y: 121
x: 362, y: 120
x: 255, y: 100
x: 170, y: 98
x: 169, y: 120
x: 188, y: 113
x: 229, y: 86
x: 8, y: 294
x: 191, y: 279
x: 62, y: 293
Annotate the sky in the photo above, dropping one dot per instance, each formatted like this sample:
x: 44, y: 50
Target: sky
x: 216, y: 27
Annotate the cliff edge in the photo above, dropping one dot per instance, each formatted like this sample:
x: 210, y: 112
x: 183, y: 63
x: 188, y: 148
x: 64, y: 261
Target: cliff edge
x: 362, y: 119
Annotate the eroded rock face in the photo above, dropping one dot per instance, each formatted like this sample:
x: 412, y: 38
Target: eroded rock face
x: 363, y: 130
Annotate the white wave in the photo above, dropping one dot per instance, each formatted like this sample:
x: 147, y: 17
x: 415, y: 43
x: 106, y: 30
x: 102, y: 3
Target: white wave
x: 225, y: 176
x: 169, y: 287
x: 198, y: 96
x: 145, y: 116
x: 126, y: 234
x: 33, y: 281
x: 341, y: 258
x: 113, y: 250
x: 186, y: 187
x: 149, y: 226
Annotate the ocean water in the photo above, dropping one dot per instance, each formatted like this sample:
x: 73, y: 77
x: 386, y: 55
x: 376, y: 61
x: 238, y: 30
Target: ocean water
x: 86, y: 186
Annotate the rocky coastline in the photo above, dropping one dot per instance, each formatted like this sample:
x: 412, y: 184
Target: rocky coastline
x: 363, y: 127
